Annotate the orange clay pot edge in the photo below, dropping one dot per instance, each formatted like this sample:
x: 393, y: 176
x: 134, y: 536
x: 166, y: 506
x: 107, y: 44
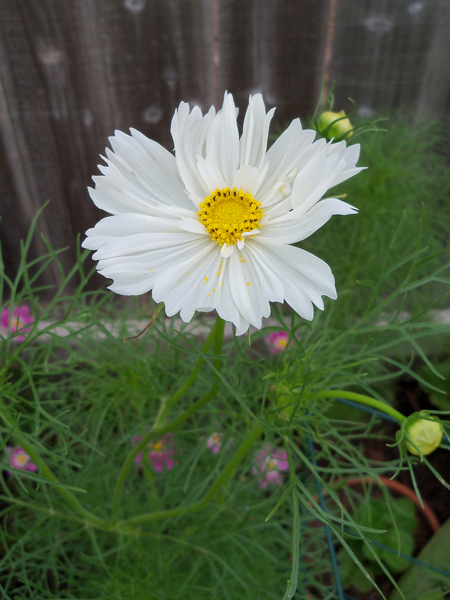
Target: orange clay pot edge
x: 426, y: 509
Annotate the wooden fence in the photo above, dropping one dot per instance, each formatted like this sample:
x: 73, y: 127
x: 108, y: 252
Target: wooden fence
x: 73, y: 71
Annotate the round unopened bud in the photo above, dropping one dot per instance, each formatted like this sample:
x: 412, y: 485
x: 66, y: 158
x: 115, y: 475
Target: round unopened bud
x: 340, y: 129
x: 426, y: 433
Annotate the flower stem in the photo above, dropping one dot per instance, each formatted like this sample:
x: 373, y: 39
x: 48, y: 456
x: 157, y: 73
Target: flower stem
x: 170, y: 402
x: 159, y: 430
x: 363, y: 400
x: 226, y: 474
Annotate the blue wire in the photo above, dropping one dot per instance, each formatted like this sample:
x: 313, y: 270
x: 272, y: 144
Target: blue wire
x: 303, y: 569
x: 402, y: 555
x: 378, y: 413
x: 367, y: 409
x: 334, y: 563
x: 322, y: 504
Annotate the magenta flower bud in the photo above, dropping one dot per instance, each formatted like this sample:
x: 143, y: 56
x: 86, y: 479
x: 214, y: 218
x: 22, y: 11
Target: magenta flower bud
x: 17, y: 320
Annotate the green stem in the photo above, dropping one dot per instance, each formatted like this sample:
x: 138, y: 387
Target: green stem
x: 363, y: 400
x: 158, y: 431
x: 189, y: 381
x: 226, y: 474
x: 46, y: 472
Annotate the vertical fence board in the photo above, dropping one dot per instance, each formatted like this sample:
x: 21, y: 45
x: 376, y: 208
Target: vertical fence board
x: 434, y: 98
x: 73, y: 72
x: 380, y: 52
x: 275, y: 48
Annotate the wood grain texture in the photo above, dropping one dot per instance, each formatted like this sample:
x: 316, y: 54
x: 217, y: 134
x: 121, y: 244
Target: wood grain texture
x: 273, y: 47
x: 435, y: 85
x: 380, y: 53
x: 71, y: 72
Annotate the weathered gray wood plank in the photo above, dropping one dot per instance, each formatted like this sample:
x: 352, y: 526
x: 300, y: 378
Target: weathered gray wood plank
x: 380, y: 52
x: 434, y: 97
x: 71, y: 72
x: 275, y: 48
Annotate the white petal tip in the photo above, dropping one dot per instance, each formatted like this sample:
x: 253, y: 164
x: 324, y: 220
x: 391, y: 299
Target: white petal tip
x: 227, y: 250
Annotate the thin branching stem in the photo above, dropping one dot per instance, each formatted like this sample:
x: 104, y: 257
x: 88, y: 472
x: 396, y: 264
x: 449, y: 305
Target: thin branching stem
x: 227, y: 473
x: 48, y: 474
x: 362, y: 399
x: 175, y: 423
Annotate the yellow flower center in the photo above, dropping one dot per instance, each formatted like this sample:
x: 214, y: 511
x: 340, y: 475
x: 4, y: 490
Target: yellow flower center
x: 228, y: 213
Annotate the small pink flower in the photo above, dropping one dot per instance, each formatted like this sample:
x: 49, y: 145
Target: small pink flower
x: 277, y: 341
x: 21, y: 316
x: 162, y: 453
x: 20, y: 460
x: 214, y: 442
x: 268, y: 464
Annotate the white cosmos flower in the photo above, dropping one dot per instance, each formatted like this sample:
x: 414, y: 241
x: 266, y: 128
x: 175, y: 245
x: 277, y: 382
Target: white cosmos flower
x: 212, y: 225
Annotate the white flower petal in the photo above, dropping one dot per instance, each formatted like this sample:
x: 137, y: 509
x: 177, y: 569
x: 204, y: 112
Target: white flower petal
x: 290, y: 153
x: 314, y: 180
x: 188, y: 132
x: 240, y: 292
x: 301, y: 225
x: 178, y: 121
x: 193, y: 225
x: 253, y: 143
x: 350, y: 156
x: 305, y: 277
x: 247, y: 179
x: 211, y: 175
x: 154, y: 239
x: 222, y: 141
x: 139, y: 175
x: 183, y: 284
x: 227, y: 250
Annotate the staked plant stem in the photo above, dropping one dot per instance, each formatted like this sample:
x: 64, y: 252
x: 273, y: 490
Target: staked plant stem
x: 362, y: 399
x: 217, y: 332
x: 329, y: 537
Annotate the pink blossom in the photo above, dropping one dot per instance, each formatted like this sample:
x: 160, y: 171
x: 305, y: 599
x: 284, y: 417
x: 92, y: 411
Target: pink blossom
x: 21, y: 316
x: 268, y: 464
x: 162, y: 453
x: 277, y: 341
x: 20, y: 460
x: 214, y: 442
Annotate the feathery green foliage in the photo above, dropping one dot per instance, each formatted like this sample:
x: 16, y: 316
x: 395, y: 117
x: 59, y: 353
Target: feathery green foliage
x: 75, y: 397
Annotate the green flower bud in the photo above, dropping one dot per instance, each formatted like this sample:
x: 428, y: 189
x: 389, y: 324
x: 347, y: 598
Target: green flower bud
x: 425, y: 433
x: 341, y: 129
